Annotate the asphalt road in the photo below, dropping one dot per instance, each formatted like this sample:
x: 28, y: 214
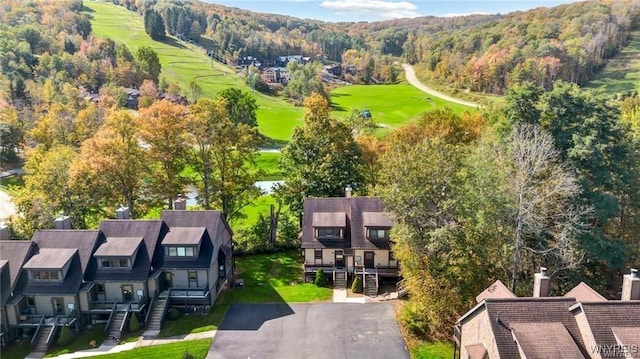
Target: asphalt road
x: 413, y: 80
x: 314, y: 331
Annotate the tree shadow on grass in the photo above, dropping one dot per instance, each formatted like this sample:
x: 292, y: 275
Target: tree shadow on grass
x: 173, y: 43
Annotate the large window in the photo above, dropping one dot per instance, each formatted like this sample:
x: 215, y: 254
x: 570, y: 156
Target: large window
x: 45, y: 275
x: 318, y: 254
x: 373, y: 233
x: 329, y: 233
x: 180, y: 251
x: 114, y: 263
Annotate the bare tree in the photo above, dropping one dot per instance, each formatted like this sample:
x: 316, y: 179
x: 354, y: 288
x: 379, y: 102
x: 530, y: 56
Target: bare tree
x: 547, y: 221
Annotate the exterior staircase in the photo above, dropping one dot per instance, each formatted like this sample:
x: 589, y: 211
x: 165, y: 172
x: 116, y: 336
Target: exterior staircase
x: 114, y: 329
x: 340, y: 280
x: 155, y: 322
x: 40, y: 344
x: 370, y: 285
x: 401, y: 289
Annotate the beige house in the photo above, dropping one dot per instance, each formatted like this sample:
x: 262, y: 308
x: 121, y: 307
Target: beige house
x: 348, y: 237
x: 581, y: 324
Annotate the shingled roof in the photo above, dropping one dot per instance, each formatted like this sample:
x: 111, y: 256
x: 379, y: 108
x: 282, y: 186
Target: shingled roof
x: 16, y: 253
x: 583, y: 293
x: 133, y: 232
x: 360, y: 211
x: 606, y: 317
x: 509, y: 314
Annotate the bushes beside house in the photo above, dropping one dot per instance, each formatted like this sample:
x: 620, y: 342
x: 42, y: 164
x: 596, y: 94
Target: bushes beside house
x: 134, y: 323
x: 356, y: 286
x: 320, y: 280
x: 66, y: 336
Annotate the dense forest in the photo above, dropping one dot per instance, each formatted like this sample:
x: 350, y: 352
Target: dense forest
x: 551, y: 177
x: 481, y: 53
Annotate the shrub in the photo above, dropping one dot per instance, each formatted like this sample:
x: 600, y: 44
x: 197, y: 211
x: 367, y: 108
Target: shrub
x: 66, y: 336
x: 134, y: 323
x: 187, y: 355
x: 173, y: 314
x: 320, y: 280
x: 356, y: 286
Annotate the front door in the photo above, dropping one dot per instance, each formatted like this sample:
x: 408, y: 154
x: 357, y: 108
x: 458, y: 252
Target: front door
x: 127, y: 293
x: 168, y: 280
x: 368, y: 259
x: 58, y: 306
x: 339, y: 259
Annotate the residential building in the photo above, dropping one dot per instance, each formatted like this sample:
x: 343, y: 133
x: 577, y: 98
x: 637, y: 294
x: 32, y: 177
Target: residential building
x: 580, y: 324
x: 348, y: 237
x: 124, y: 268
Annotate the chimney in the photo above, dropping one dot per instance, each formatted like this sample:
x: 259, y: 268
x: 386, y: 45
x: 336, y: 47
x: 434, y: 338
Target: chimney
x: 5, y: 232
x: 347, y: 191
x: 123, y: 213
x: 62, y: 222
x: 541, y: 283
x: 180, y: 204
x: 631, y: 286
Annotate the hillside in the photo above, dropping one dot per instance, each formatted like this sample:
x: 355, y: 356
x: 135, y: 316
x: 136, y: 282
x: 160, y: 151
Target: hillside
x: 184, y: 62
x: 621, y: 75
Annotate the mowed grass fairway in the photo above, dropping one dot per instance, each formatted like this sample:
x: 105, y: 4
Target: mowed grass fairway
x: 184, y: 62
x: 391, y: 106
x: 622, y: 72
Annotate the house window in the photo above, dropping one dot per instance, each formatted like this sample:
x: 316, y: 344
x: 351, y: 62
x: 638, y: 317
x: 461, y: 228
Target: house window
x: 31, y: 302
x: 377, y: 233
x: 114, y: 263
x: 391, y: 256
x: 318, y: 254
x: 193, y: 278
x: 100, y: 288
x: 179, y: 251
x: 45, y: 275
x: 329, y: 233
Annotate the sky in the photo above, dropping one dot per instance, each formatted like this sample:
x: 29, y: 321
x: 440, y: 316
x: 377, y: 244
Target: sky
x: 374, y: 10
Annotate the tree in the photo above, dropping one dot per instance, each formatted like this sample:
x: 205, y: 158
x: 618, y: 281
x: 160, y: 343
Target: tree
x: 154, y: 25
x: 11, y: 136
x: 223, y: 156
x: 547, y: 223
x: 111, y: 168
x: 320, y: 279
x: 148, y: 94
x: 241, y: 106
x: 149, y: 63
x: 356, y: 286
x: 322, y: 157
x: 163, y: 127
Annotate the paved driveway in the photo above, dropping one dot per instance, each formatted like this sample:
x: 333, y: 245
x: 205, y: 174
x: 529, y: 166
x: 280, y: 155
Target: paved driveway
x: 300, y: 331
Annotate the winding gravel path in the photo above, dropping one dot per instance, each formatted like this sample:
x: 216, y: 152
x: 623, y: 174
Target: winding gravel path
x: 413, y: 80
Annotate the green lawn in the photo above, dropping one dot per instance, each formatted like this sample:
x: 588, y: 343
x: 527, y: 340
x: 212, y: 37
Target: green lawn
x: 16, y: 351
x: 391, y: 106
x: 268, y: 278
x: 622, y: 72
x: 198, y: 348
x: 437, y: 350
x: 269, y: 163
x: 80, y: 342
x: 183, y: 62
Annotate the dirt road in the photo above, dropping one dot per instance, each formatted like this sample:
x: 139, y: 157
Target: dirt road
x: 413, y: 80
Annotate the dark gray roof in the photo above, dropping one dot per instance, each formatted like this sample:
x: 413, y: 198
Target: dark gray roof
x: 150, y: 231
x: 184, y: 236
x: 49, y: 258
x: 70, y: 284
x: 354, y: 208
x: 215, y: 224
x: 329, y: 219
x: 85, y: 241
x: 17, y: 253
x: 377, y: 219
x: 520, y: 311
x: 119, y: 247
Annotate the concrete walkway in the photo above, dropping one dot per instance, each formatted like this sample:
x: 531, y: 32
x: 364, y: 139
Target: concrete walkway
x: 148, y: 338
x: 340, y: 296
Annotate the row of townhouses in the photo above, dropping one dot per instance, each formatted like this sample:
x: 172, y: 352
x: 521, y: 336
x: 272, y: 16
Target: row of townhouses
x: 127, y: 266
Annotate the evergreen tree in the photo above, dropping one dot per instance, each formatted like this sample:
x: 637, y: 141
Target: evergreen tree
x: 154, y: 25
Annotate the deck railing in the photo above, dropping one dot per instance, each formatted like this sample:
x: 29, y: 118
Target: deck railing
x: 150, y: 309
x: 35, y: 335
x: 111, y: 315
